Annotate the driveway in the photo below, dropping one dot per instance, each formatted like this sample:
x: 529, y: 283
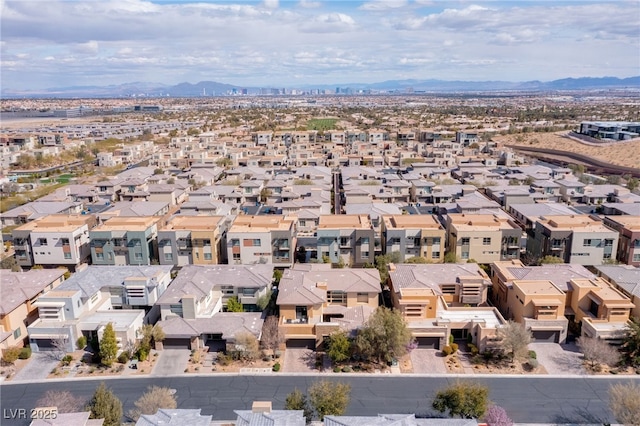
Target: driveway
x: 299, y: 360
x: 563, y: 359
x: 171, y: 362
x: 427, y: 361
x: 39, y: 366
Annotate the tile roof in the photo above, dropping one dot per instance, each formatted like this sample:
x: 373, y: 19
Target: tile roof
x: 18, y: 287
x: 625, y: 276
x: 177, y: 417
x: 432, y: 275
x: 226, y: 323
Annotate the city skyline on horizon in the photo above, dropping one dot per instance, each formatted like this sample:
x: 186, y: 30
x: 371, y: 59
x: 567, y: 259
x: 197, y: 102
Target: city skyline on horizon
x: 89, y: 43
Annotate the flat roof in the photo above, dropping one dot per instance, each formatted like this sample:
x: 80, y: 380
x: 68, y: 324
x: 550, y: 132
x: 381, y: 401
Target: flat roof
x: 489, y: 316
x: 630, y: 222
x: 261, y: 222
x: 193, y: 223
x: 411, y: 221
x: 571, y: 222
x: 58, y: 223
x: 542, y: 287
x: 127, y: 223
x: 360, y: 221
x: 471, y: 222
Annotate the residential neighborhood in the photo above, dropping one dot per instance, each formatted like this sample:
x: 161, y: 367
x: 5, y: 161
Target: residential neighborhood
x: 216, y: 250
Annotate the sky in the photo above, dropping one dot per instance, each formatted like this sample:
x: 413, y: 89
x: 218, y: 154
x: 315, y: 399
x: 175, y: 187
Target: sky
x: 276, y: 43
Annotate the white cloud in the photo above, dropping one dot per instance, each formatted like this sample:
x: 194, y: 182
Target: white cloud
x: 378, y: 5
x: 309, y: 4
x: 271, y: 4
x: 329, y: 23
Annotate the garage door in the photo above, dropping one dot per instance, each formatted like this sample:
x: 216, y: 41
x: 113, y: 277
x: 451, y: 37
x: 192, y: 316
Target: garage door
x: 176, y: 344
x: 552, y: 336
x: 301, y: 343
x: 44, y: 345
x: 428, y: 342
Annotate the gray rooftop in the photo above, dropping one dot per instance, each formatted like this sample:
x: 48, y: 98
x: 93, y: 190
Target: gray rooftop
x: 559, y: 275
x: 226, y: 323
x: 272, y: 418
x: 199, y: 280
x: 625, y: 276
x: 394, y: 420
x: 432, y: 275
x: 18, y: 287
x: 93, y: 278
x: 177, y: 417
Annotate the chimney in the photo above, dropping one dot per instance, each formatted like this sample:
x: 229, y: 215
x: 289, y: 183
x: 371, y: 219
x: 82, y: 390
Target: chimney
x: 261, y: 407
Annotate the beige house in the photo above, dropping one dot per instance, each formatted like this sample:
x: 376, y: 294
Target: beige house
x: 267, y: 239
x: 315, y: 300
x: 549, y: 299
x: 414, y: 235
x: 443, y: 300
x: 18, y: 293
x: 484, y: 238
x: 191, y: 240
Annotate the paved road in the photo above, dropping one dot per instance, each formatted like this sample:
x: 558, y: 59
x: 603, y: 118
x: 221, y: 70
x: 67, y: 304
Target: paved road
x: 526, y: 399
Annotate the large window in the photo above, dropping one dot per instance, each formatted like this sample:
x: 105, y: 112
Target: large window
x: 464, y: 241
x: 486, y: 241
x: 337, y: 297
x: 448, y: 288
x: 363, y: 297
x: 43, y: 241
x: 207, y: 256
x: 168, y: 256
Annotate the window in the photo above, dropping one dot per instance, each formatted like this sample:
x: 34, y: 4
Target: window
x: 363, y: 297
x: 301, y: 313
x: 448, y: 288
x: 236, y: 256
x: 606, y: 256
x: 364, y: 254
x: 436, y: 241
x: 206, y: 242
x: 556, y: 242
x: 207, y: 256
x: 43, y: 241
x: 636, y: 257
x: 235, y: 243
x: 64, y: 241
x: 435, y: 255
x: 364, y: 240
x: 302, y: 223
x: 168, y: 256
x: 227, y: 289
x: 464, y: 241
x: 608, y: 242
x: 464, y: 255
x: 249, y: 292
x: 138, y: 256
x: 344, y: 241
x: 99, y: 255
x: 257, y: 242
x: 486, y: 241
x: 336, y: 296
x: 67, y: 255
x: 591, y: 242
x: 17, y: 333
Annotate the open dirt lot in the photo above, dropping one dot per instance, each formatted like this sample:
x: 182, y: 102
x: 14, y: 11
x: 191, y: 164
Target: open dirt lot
x: 622, y: 153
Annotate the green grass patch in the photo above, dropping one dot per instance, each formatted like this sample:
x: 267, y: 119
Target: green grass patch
x: 322, y: 124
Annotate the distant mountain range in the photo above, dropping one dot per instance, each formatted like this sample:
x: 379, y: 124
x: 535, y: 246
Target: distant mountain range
x: 212, y: 88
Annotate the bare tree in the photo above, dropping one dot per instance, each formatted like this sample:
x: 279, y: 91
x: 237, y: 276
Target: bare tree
x: 271, y: 336
x: 154, y: 398
x: 64, y: 400
x: 247, y: 346
x: 597, y: 351
x: 515, y: 340
x: 624, y: 402
x: 60, y: 345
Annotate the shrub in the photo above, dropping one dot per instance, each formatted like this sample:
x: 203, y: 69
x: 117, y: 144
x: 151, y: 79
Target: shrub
x: 447, y: 350
x: 276, y: 367
x: 224, y: 359
x: 346, y: 369
x: 337, y: 369
x: 533, y: 355
x: 450, y: 338
x: 10, y: 355
x: 454, y: 347
x: 66, y: 360
x: 25, y: 353
x: 123, y: 358
x: 142, y: 354
x: 532, y: 363
x: 473, y: 349
x: 81, y: 343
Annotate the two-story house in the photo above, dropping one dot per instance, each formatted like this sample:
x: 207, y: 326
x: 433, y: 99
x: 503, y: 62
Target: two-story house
x: 191, y: 240
x: 484, y: 238
x: 125, y: 241
x: 443, y: 300
x: 191, y: 309
x: 54, y: 240
x: 316, y: 300
x: 414, y: 235
x: 269, y: 239
x: 628, y: 228
x: 347, y: 237
x: 18, y: 293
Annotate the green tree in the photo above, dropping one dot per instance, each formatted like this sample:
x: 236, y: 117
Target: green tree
x: 624, y: 402
x: 633, y: 184
x: 297, y: 400
x: 329, y: 398
x: 108, y: 346
x: 515, y: 338
x: 338, y: 346
x: 418, y: 259
x: 263, y: 301
x: 631, y: 342
x: 465, y: 400
x: 384, y: 336
x: 277, y: 276
x: 234, y: 305
x: 11, y: 354
x: 105, y: 405
x: 154, y: 398
x: 450, y: 257
x: 550, y: 260
x: 383, y: 261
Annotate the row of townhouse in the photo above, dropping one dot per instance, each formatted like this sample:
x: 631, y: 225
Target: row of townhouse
x: 350, y: 239
x: 439, y: 302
